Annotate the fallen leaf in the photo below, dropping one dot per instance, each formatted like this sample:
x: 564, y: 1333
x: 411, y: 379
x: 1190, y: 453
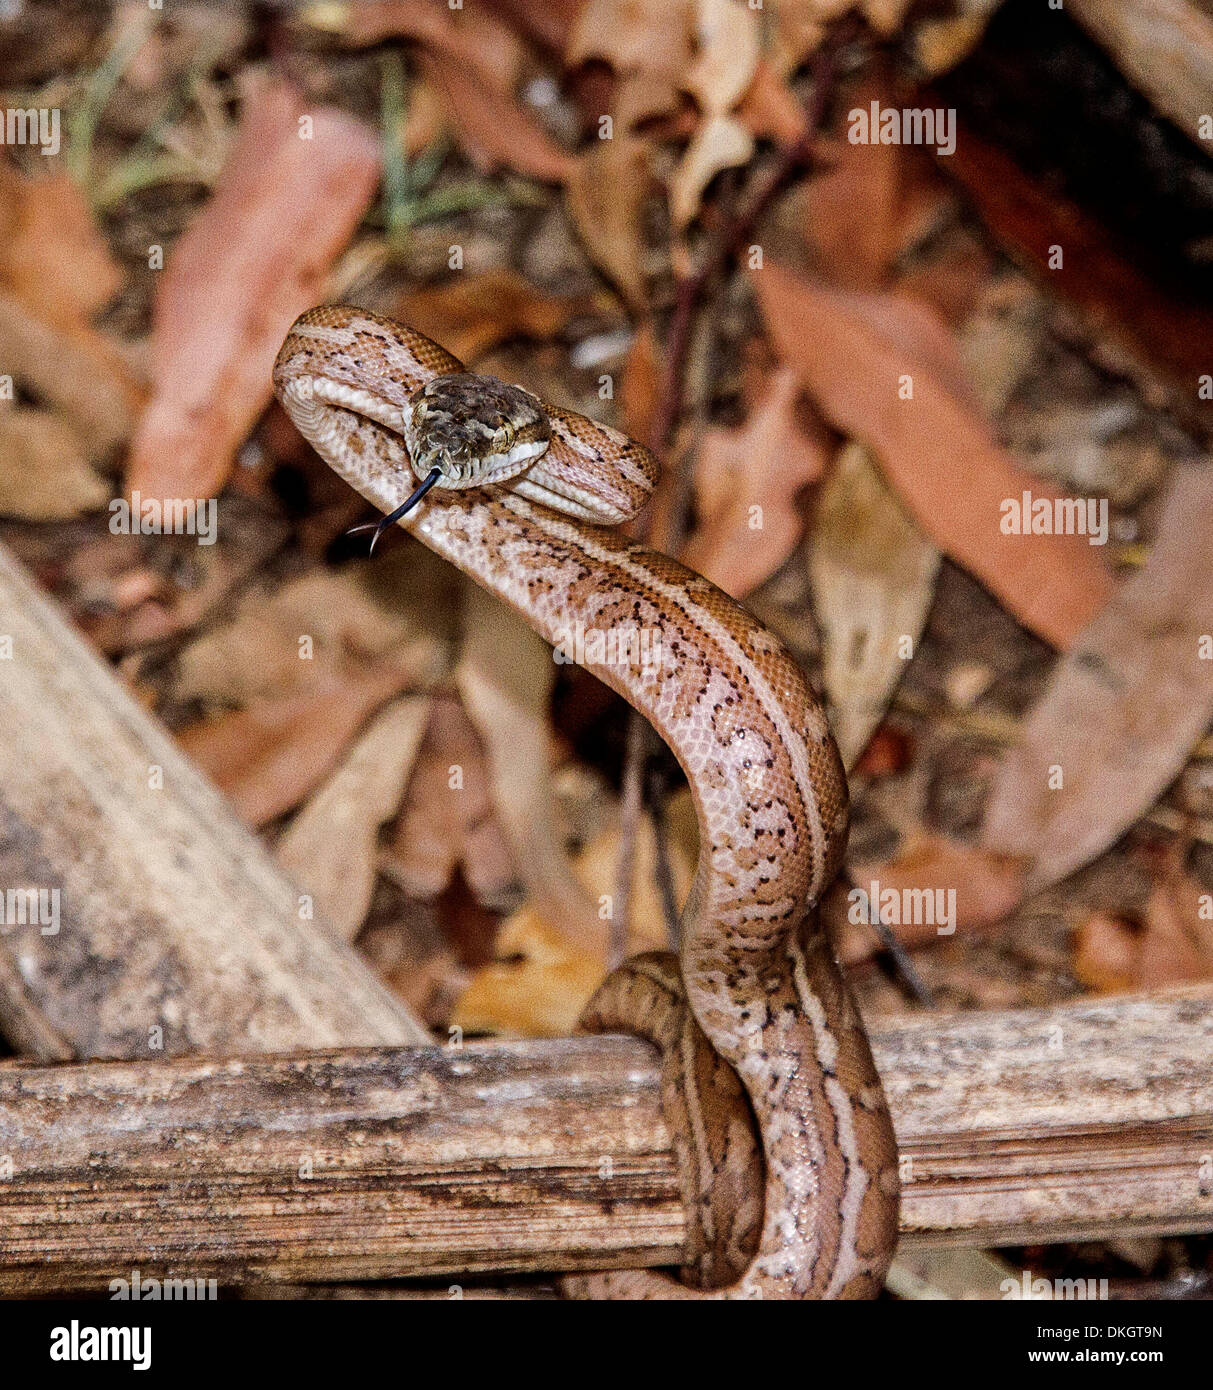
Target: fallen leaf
x: 255, y: 257
x: 850, y: 353
x: 746, y: 485
x: 495, y: 131
x: 606, y: 196
x: 52, y: 257
x: 1177, y: 944
x: 505, y: 675
x: 769, y: 109
x: 633, y: 36
x: 1124, y: 707
x: 721, y: 142
x: 873, y: 577
x: 74, y: 370
x: 728, y: 37
x: 541, y: 982
x: 968, y: 888
x: 44, y: 475
x: 1107, y: 954
x: 447, y: 820
x: 398, y: 604
x: 331, y: 847
x: 268, y: 757
x: 475, y: 312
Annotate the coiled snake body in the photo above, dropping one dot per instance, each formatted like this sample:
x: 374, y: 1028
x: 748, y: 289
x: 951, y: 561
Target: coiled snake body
x: 520, y: 504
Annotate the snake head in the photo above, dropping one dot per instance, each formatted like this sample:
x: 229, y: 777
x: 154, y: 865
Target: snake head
x: 475, y: 430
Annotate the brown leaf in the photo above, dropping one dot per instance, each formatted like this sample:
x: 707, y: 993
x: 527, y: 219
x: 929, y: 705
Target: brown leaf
x: 634, y: 36
x: 1107, y: 954
x: 987, y: 886
x: 1124, y: 707
x: 855, y: 354
x: 1177, y: 945
x: 268, y: 757
x: 447, y: 820
x: 494, y: 130
x: 43, y: 473
x: 252, y: 260
x: 331, y: 847
x: 505, y: 675
x: 746, y: 484
x: 770, y: 109
x: 474, y: 312
x: 397, y: 604
x: 52, y: 257
x: 606, y: 197
x: 540, y: 982
x: 873, y: 577
x: 721, y: 142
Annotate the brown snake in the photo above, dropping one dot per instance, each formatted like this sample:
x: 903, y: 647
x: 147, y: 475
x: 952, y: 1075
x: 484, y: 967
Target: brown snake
x: 814, y: 1214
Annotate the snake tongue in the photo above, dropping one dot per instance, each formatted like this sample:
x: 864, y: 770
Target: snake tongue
x: 402, y: 510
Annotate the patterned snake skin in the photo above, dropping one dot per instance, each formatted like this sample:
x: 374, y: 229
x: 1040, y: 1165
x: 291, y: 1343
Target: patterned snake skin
x: 756, y: 974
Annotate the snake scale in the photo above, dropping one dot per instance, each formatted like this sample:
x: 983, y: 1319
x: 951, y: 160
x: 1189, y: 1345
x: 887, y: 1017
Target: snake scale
x: 520, y: 495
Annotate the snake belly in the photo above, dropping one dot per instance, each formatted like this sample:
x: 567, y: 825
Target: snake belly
x: 756, y: 973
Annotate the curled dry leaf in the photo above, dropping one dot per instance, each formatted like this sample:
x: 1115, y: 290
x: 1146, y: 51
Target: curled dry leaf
x: 986, y: 887
x: 1173, y: 945
x: 296, y: 183
x: 472, y: 313
x: 397, y: 604
x: 606, y: 196
x: 331, y: 847
x: 859, y: 356
x: 721, y: 142
x: 44, y: 476
x: 447, y: 821
x: 1124, y: 707
x: 52, y: 257
x: 268, y: 757
x: 746, y: 485
x: 873, y: 577
x: 634, y: 36
x: 505, y: 676
x: 540, y: 982
x: 729, y: 36
x: 494, y: 130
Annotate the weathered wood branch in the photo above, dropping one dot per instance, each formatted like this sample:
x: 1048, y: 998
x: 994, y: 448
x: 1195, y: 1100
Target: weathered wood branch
x: 160, y: 921
x: 1015, y: 1127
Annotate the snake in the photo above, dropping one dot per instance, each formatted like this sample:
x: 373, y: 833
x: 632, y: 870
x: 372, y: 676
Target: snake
x: 779, y: 1124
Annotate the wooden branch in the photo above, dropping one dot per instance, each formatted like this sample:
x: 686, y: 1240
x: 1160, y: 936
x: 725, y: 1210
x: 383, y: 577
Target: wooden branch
x: 1094, y: 1118
x: 162, y: 924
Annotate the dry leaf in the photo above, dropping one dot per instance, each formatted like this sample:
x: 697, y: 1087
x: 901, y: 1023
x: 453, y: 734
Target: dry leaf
x: 935, y: 449
x: 633, y: 36
x: 721, y: 142
x: 290, y: 197
x: 541, y: 982
x: 75, y: 370
x: 472, y: 313
x: 606, y: 197
x: 1107, y: 954
x: 505, y: 676
x: 873, y: 577
x: 398, y: 604
x: 969, y: 888
x: 746, y: 484
x: 1177, y: 944
x: 1124, y: 707
x: 43, y: 473
x: 495, y: 132
x: 769, y: 110
x: 268, y: 757
x: 447, y: 819
x: 728, y: 37
x: 331, y: 847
